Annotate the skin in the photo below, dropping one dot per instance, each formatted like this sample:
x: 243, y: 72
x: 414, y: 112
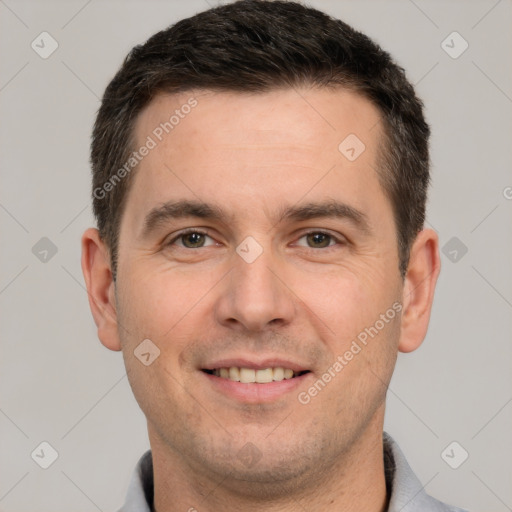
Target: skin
x: 252, y: 155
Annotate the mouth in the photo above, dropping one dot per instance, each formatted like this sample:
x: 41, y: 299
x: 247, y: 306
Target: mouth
x: 254, y: 380
x: 247, y: 375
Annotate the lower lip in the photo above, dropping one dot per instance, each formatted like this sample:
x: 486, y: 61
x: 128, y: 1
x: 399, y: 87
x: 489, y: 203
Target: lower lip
x: 254, y: 392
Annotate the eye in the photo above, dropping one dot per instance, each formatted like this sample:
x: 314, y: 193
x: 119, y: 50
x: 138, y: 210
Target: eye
x: 195, y: 239
x: 191, y: 239
x: 319, y: 240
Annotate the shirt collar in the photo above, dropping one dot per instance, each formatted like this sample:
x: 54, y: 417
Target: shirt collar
x: 407, y: 492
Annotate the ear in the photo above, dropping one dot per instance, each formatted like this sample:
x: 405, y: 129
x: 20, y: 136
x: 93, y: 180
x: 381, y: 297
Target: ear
x: 100, y: 288
x: 418, y: 292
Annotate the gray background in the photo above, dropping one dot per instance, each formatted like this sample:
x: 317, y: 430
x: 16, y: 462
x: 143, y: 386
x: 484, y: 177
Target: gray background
x: 58, y: 384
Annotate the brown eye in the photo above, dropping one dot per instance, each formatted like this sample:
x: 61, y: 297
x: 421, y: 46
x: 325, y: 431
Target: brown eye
x: 192, y: 239
x: 318, y: 240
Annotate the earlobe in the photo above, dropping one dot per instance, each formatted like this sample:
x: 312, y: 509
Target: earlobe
x: 418, y: 292
x: 100, y: 288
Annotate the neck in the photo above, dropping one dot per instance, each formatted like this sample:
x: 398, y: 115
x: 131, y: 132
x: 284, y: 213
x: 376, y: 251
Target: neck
x: 354, y: 481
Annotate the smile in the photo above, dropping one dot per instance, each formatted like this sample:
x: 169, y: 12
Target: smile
x: 251, y: 375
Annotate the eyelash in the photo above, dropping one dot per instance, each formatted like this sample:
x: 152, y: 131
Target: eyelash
x: 205, y: 233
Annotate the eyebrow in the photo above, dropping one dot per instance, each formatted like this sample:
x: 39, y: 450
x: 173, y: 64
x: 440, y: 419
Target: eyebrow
x: 330, y: 209
x: 172, y: 210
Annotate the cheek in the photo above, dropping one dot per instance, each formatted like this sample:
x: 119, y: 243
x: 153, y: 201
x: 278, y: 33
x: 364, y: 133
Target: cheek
x: 351, y: 304
x: 159, y: 306
x: 346, y: 299
x: 158, y: 301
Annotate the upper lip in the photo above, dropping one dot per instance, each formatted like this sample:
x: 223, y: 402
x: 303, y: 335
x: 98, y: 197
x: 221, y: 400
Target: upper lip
x: 255, y: 364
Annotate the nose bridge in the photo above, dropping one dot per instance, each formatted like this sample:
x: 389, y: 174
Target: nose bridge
x: 256, y: 295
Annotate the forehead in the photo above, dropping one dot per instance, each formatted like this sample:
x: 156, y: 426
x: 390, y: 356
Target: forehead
x: 302, y: 117
x: 251, y: 152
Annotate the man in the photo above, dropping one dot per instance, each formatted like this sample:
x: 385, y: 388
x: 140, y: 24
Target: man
x: 259, y: 180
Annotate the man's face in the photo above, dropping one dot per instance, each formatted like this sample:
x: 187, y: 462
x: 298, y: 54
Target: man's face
x: 257, y: 288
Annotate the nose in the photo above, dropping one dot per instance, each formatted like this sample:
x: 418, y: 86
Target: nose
x: 255, y: 295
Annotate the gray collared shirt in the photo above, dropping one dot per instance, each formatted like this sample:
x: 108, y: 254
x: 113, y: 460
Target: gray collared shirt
x: 407, y: 493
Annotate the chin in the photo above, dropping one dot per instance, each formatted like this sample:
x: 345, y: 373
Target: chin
x: 265, y: 482
x: 268, y: 473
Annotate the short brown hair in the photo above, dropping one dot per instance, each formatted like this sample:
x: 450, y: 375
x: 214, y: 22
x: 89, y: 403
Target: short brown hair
x: 257, y: 46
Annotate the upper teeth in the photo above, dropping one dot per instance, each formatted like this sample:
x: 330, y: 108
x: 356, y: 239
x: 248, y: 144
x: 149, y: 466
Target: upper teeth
x: 248, y: 375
